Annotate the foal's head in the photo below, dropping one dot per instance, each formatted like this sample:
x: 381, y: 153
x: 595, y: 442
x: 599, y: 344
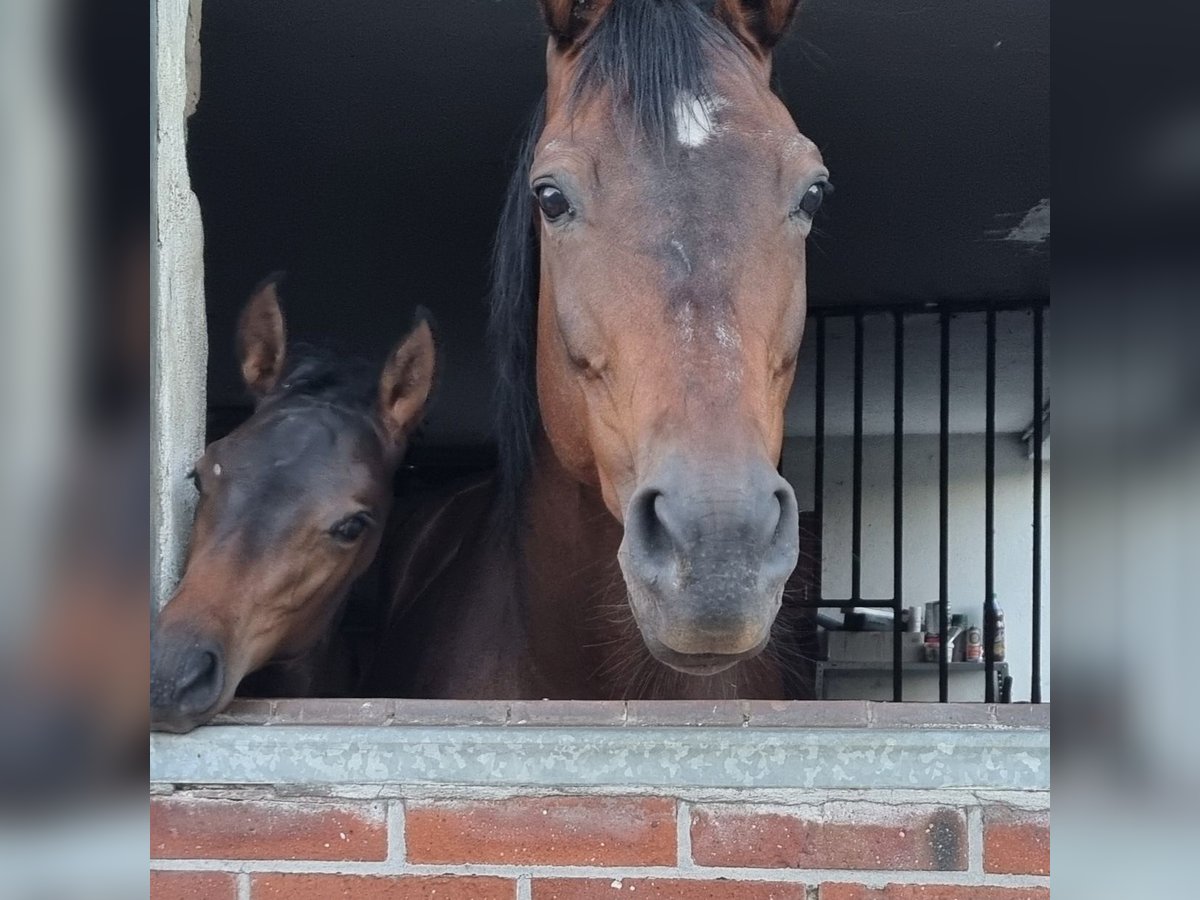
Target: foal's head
x: 670, y: 194
x: 290, y: 512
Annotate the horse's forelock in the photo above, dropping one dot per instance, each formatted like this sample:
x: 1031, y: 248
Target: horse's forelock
x: 318, y: 373
x: 649, y: 54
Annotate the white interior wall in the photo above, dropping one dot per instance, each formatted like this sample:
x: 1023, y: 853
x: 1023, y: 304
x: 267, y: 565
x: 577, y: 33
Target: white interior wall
x: 1013, y: 521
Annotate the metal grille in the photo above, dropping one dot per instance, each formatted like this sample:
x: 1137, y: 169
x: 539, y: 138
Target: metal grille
x: 946, y: 317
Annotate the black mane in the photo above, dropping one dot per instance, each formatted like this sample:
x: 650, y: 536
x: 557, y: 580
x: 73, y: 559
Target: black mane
x: 318, y: 373
x: 511, y: 325
x: 648, y: 53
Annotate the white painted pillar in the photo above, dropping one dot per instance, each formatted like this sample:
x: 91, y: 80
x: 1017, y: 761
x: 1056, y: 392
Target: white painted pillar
x: 178, y: 335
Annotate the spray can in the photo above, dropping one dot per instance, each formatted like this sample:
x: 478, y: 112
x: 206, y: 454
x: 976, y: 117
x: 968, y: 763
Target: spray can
x: 974, y: 648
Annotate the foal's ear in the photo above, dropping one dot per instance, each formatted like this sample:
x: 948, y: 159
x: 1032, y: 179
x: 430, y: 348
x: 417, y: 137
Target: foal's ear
x: 407, y: 379
x: 758, y: 23
x: 261, y: 338
x: 570, y: 21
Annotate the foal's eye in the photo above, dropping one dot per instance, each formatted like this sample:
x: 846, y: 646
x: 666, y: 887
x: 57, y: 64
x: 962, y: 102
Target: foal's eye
x: 552, y: 201
x: 811, y: 199
x: 350, y: 529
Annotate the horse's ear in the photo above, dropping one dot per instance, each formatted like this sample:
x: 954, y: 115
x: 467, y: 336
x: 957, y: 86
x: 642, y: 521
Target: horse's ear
x: 570, y: 21
x: 261, y: 338
x: 407, y: 379
x: 758, y: 23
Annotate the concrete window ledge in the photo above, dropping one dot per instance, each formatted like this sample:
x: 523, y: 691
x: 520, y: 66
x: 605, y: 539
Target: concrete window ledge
x: 338, y: 745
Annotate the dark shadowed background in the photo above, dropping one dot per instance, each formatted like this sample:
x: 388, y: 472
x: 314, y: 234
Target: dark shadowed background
x: 363, y: 146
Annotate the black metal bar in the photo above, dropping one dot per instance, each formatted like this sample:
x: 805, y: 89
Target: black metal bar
x: 944, y: 517
x: 819, y: 458
x: 1035, y: 690
x: 957, y: 307
x: 989, y: 518
x: 856, y: 489
x: 850, y: 603
x: 898, y: 504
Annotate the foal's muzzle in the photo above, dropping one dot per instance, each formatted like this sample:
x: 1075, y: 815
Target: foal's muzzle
x: 705, y: 556
x: 187, y: 679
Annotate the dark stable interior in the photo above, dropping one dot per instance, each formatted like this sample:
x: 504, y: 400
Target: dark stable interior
x: 363, y: 147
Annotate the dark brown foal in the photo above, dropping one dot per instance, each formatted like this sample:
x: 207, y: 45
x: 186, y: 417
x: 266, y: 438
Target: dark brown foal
x: 291, y: 511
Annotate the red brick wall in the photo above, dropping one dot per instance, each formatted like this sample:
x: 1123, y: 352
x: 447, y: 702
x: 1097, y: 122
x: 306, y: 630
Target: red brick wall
x: 886, y: 846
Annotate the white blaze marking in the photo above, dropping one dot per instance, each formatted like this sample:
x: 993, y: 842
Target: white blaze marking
x: 727, y: 337
x: 696, y: 118
x: 217, y: 470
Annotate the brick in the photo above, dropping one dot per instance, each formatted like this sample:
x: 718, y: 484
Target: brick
x: 562, y: 713
x: 686, y: 712
x: 663, y: 889
x: 380, y: 887
x: 808, y: 713
x: 1016, y: 842
x: 1023, y: 715
x: 932, y: 715
x: 450, y: 712
x: 930, y: 892
x: 556, y: 831
x: 194, y: 828
x: 842, y: 836
x: 192, y: 885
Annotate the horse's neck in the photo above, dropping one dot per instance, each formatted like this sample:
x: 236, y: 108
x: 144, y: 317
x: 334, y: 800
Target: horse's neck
x: 582, y: 637
x: 573, y: 596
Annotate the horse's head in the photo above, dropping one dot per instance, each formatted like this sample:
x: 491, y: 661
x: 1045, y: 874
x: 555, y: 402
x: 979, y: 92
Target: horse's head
x: 290, y: 512
x: 672, y: 195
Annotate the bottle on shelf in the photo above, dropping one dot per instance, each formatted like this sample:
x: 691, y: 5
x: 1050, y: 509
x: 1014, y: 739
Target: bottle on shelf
x: 998, y: 647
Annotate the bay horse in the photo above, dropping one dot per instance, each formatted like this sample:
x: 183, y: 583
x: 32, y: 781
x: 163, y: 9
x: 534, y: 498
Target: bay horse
x: 647, y: 311
x: 291, y: 511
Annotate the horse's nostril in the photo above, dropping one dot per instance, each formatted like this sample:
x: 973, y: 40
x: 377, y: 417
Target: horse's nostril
x: 650, y: 524
x: 785, y: 512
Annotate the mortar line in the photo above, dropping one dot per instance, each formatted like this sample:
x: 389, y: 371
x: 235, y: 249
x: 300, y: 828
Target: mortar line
x: 397, y: 838
x: 750, y: 798
x: 243, y: 886
x: 524, y: 887
x: 683, y: 835
x: 869, y: 877
x: 975, y: 840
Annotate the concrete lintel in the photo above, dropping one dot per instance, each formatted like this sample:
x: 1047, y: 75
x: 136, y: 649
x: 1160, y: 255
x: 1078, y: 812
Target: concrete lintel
x: 557, y: 757
x: 636, y: 713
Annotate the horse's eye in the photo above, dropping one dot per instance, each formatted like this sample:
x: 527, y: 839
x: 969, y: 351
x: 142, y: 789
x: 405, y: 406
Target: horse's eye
x: 552, y: 201
x: 812, y: 199
x: 350, y: 529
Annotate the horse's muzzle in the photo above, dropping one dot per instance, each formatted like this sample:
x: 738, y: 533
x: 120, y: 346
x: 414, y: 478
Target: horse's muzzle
x: 705, y: 556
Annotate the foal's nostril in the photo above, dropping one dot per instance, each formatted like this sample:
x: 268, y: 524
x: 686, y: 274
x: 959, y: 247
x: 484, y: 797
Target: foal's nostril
x: 199, y: 682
